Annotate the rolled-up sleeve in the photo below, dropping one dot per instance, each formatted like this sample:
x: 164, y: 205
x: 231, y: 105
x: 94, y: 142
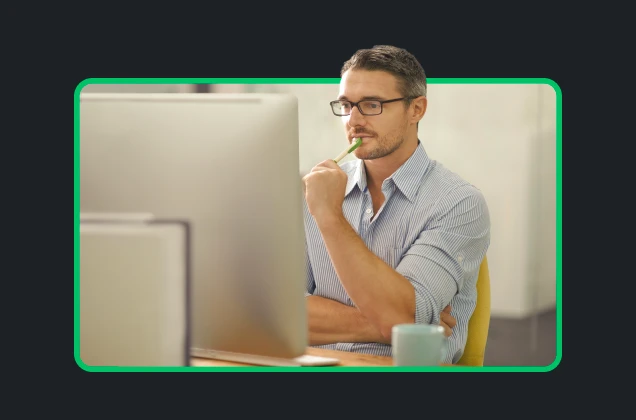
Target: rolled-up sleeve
x: 447, y: 254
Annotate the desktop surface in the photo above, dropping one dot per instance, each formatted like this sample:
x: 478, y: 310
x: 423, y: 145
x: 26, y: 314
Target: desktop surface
x: 345, y: 359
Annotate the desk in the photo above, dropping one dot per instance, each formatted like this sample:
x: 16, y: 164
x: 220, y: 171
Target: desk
x: 346, y: 359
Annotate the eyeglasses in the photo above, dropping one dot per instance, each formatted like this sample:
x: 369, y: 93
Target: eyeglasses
x: 343, y: 108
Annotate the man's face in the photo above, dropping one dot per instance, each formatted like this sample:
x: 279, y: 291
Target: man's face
x: 381, y: 134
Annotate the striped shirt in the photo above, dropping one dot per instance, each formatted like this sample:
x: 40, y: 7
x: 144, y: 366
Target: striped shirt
x: 433, y: 228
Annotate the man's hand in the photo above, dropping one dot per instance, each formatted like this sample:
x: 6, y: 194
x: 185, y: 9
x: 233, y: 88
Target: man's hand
x: 447, y: 321
x: 325, y: 189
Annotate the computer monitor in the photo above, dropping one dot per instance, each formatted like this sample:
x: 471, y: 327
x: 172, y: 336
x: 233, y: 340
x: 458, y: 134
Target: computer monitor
x: 229, y: 164
x: 134, y: 275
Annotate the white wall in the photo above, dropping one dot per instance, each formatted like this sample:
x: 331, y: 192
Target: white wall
x: 545, y: 261
x: 500, y: 137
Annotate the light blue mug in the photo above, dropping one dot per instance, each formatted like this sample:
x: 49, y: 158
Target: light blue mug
x: 418, y: 344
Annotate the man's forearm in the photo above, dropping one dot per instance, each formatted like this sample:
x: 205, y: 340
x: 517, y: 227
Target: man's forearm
x: 333, y: 322
x: 382, y: 295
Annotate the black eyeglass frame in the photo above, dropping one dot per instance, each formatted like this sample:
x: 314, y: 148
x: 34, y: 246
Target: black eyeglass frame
x: 357, y: 105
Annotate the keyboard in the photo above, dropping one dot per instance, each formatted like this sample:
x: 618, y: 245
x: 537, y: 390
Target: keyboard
x: 309, y: 360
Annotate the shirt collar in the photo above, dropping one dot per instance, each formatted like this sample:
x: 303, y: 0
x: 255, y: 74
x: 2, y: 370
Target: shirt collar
x: 359, y: 178
x: 406, y: 178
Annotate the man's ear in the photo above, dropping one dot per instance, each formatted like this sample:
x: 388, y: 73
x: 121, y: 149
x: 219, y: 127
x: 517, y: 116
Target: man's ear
x: 418, y: 109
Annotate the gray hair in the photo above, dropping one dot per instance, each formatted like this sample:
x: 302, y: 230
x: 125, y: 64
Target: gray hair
x: 396, y: 61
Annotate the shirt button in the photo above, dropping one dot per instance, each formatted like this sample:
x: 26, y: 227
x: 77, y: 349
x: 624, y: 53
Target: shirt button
x: 368, y: 211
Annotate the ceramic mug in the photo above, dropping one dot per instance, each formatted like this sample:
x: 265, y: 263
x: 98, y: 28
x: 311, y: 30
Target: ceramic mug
x: 418, y: 344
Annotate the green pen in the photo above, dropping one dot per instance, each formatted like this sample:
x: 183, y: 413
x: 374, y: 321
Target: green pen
x: 348, y: 150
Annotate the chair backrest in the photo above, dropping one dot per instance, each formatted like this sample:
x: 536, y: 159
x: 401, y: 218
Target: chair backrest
x: 479, y: 321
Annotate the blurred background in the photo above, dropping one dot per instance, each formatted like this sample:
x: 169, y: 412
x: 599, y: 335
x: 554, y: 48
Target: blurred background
x: 499, y: 137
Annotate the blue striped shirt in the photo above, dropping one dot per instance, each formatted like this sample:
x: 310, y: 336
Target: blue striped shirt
x: 433, y: 228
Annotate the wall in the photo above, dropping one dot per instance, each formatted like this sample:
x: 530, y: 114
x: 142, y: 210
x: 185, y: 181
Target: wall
x: 545, y: 262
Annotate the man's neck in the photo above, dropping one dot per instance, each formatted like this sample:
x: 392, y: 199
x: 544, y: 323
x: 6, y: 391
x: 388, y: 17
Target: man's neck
x: 377, y: 170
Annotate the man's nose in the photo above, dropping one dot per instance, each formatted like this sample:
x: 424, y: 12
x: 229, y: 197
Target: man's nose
x: 356, y: 118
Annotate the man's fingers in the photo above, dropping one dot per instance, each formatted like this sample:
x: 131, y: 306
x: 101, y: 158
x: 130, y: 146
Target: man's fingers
x: 447, y: 330
x: 330, y: 164
x: 447, y: 309
x: 447, y: 319
x: 319, y: 168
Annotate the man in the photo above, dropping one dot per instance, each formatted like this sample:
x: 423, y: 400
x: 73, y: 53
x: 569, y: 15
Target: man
x: 392, y: 237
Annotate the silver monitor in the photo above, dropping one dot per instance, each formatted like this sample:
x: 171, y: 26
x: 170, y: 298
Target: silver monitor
x: 134, y: 279
x: 229, y: 164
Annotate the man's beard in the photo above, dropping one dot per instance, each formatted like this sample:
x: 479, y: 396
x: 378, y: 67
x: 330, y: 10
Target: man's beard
x: 384, y: 148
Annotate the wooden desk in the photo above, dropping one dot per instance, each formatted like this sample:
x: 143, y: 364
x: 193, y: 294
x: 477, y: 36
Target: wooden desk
x: 346, y: 359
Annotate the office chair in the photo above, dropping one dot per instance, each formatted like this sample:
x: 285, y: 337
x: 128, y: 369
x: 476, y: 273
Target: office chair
x: 479, y: 321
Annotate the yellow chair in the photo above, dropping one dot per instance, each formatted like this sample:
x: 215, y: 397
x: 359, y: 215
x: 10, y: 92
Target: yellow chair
x: 479, y: 321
